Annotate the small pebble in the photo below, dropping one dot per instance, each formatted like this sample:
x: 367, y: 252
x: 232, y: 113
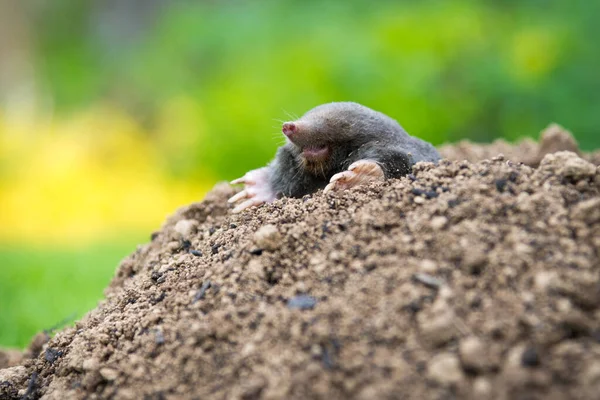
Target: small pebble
x: 51, y: 355
x: 530, y: 357
x: 200, y: 295
x: 268, y: 237
x: 438, y: 222
x: 186, y: 227
x: 473, y: 354
x: 428, y: 266
x: 109, y: 374
x: 90, y: 364
x: 196, y: 253
x: 428, y: 280
x: 302, y: 302
x: 501, y: 185
x: 256, y: 252
x: 482, y: 388
x: 445, y: 369
x: 437, y: 328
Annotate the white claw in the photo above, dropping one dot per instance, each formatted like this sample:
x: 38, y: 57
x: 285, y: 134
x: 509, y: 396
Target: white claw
x: 346, y: 175
x: 358, y: 173
x: 329, y: 187
x: 247, y: 204
x: 239, y: 196
x: 257, y: 190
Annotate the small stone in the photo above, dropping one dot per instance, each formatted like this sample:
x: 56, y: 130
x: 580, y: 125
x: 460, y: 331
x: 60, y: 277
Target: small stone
x: 173, y: 246
x: 268, y: 237
x: 445, y: 294
x: 91, y: 380
x: 482, y: 388
x: 544, y: 280
x: 439, y: 222
x: 437, y: 327
x: 255, y: 269
x: 302, y: 302
x: 473, y: 354
x: 428, y: 280
x: 196, y: 253
x: 428, y: 266
x: 501, y: 184
x: 445, y: 369
x: 51, y: 355
x: 202, y: 291
x: 564, y: 305
x: 109, y: 374
x: 90, y: 364
x: 186, y: 227
x: 522, y: 248
x: 530, y: 357
x: 336, y: 256
x: 474, y: 261
x: 419, y: 200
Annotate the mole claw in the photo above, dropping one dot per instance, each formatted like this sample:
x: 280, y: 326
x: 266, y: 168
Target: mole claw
x: 237, y: 181
x: 241, y: 195
x: 360, y: 172
x: 247, y: 204
x: 238, y: 209
x: 329, y: 188
x: 342, y: 176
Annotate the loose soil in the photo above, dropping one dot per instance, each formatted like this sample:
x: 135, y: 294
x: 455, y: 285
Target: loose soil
x: 471, y: 279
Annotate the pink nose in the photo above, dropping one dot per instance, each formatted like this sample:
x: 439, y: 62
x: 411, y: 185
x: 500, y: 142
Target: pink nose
x: 289, y: 128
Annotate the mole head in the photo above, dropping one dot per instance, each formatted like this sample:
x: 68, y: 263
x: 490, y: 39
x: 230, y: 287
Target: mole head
x: 322, y: 132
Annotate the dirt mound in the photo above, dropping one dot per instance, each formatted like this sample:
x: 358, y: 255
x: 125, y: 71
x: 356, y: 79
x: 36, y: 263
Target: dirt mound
x: 467, y: 279
x: 554, y: 138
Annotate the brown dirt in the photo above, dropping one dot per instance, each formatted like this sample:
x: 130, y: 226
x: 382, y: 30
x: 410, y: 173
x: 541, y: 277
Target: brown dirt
x: 465, y: 280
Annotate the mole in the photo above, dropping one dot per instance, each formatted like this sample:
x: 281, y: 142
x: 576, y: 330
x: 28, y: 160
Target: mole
x: 334, y: 146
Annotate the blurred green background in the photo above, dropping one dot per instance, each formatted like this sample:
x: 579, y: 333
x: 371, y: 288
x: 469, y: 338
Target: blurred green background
x: 115, y: 112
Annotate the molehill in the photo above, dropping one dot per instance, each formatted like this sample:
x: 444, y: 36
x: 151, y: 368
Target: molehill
x: 471, y: 279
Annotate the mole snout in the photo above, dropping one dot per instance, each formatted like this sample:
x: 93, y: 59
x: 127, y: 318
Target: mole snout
x: 289, y: 129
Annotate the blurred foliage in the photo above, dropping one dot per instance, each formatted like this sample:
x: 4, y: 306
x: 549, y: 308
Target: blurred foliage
x: 141, y: 105
x: 445, y: 70
x: 44, y: 288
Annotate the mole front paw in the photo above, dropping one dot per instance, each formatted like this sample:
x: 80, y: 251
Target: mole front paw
x: 257, y: 190
x: 359, y: 172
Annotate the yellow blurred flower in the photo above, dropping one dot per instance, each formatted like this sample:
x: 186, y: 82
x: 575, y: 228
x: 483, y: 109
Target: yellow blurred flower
x: 93, y: 174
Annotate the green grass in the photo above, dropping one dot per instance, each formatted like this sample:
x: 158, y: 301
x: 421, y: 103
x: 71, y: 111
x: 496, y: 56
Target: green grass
x: 42, y: 287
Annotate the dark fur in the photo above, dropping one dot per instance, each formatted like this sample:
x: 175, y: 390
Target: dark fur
x: 353, y: 132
